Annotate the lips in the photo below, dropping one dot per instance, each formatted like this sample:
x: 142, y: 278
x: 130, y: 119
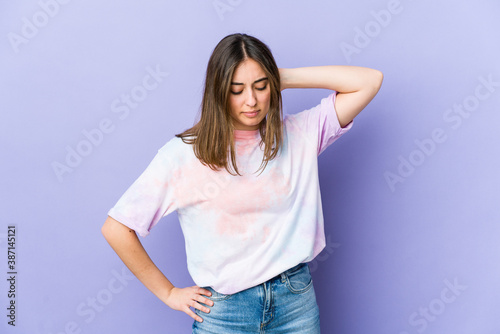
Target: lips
x: 251, y: 114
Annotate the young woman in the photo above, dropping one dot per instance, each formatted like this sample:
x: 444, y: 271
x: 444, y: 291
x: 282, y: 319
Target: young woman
x: 244, y: 182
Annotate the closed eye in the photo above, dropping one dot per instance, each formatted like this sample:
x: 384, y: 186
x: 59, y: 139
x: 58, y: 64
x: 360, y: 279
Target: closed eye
x: 238, y: 93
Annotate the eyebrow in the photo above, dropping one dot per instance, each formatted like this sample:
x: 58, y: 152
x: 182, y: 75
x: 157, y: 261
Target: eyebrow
x: 256, y: 81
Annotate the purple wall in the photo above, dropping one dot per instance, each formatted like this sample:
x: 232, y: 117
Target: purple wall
x: 410, y: 195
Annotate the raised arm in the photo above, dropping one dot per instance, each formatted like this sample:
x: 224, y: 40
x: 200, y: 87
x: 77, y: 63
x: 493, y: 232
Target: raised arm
x: 356, y: 86
x: 126, y: 244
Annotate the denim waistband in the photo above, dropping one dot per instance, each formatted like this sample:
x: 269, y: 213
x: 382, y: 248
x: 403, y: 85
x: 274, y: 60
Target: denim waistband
x: 285, y: 273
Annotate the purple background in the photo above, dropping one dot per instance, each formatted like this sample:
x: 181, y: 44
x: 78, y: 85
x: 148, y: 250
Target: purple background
x: 394, y: 249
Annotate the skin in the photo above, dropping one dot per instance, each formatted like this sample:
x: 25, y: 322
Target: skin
x: 126, y: 244
x: 356, y: 87
x: 250, y: 91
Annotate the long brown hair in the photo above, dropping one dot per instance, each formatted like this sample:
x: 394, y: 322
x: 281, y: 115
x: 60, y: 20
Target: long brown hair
x: 213, y: 134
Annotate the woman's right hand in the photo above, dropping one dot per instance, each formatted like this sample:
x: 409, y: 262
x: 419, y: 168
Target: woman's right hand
x: 181, y: 299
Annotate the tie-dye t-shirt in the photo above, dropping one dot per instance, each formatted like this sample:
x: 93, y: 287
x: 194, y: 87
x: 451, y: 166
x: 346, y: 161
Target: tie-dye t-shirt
x: 240, y: 231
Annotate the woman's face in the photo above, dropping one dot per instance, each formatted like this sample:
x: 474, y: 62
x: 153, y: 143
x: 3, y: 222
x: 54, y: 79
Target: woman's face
x: 249, y: 95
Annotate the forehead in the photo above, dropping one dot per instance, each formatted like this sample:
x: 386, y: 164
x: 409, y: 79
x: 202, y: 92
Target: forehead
x: 248, y: 71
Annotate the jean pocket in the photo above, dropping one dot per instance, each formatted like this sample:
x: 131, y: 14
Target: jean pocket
x: 299, y: 280
x: 216, y: 296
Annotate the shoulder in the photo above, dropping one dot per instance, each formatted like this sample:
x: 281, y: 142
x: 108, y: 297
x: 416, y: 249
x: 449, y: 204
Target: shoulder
x: 175, y: 144
x: 176, y: 151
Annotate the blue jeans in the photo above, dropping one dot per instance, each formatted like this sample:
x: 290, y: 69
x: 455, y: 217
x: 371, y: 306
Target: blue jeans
x: 284, y: 304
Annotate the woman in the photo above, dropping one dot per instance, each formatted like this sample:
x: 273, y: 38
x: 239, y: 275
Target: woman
x: 249, y: 234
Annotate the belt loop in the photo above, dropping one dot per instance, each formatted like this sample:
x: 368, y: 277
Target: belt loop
x: 283, y: 277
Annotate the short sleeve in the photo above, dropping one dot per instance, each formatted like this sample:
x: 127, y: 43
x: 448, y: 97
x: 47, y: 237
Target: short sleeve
x: 322, y: 122
x: 149, y: 198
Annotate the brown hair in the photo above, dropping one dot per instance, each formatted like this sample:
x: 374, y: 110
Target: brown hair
x: 213, y: 134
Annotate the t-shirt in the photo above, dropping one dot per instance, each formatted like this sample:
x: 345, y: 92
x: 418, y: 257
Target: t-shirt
x: 240, y: 231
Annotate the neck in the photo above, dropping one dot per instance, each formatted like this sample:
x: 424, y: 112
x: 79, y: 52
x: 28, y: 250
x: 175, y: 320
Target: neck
x: 246, y: 134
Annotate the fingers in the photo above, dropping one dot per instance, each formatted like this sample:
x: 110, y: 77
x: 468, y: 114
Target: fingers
x: 193, y: 315
x: 201, y: 299
x: 205, y: 292
x: 197, y: 299
x: 194, y: 303
x: 199, y: 296
x: 184, y: 299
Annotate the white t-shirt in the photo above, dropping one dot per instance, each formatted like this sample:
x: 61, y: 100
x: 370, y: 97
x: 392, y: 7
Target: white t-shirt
x: 240, y: 231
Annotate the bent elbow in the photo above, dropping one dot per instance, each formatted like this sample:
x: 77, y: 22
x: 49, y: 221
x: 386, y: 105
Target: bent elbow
x: 105, y: 229
x: 378, y: 78
x: 374, y: 82
x: 108, y: 229
x: 114, y: 230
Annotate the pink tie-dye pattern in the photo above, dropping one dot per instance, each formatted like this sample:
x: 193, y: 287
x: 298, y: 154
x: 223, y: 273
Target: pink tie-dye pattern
x: 240, y: 230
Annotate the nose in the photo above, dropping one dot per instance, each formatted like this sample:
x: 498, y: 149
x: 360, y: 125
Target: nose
x: 250, y: 99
